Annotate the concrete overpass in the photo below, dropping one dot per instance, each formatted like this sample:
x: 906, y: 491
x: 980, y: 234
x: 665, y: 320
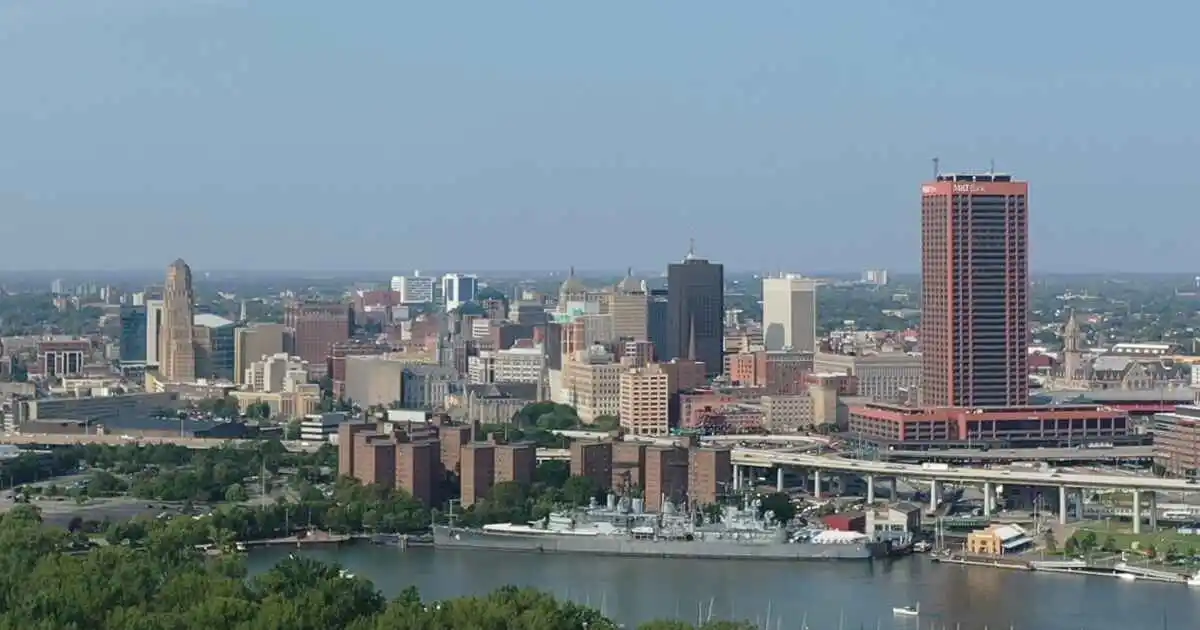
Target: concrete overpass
x: 1116, y: 453
x: 938, y: 474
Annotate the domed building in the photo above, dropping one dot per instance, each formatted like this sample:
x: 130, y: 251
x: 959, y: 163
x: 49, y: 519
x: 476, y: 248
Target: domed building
x: 572, y: 290
x: 629, y: 285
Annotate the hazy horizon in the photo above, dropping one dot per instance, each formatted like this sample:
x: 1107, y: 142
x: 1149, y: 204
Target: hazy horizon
x: 246, y: 135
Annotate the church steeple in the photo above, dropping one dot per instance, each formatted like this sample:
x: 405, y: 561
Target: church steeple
x: 1072, y: 354
x: 1071, y: 334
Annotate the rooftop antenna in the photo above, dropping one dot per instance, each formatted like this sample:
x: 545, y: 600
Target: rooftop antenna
x: 936, y: 171
x: 992, y: 167
x: 691, y: 247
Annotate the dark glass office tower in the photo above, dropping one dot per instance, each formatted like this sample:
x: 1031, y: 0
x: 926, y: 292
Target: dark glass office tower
x: 656, y: 322
x: 696, y: 311
x: 133, y: 334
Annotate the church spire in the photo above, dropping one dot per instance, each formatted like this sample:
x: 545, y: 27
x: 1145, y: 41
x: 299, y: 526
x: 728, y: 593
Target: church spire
x: 1071, y: 333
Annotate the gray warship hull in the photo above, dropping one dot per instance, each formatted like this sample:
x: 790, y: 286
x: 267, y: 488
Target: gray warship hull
x: 464, y: 538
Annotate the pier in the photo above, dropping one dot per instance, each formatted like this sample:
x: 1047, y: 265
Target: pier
x: 1120, y: 570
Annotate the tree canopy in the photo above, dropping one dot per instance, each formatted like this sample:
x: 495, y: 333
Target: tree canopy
x: 167, y: 583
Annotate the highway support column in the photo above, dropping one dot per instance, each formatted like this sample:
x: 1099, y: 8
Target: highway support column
x: 1062, y: 505
x: 1137, y: 511
x: 894, y: 496
x: 1153, y: 510
x: 870, y: 488
x: 779, y: 479
x: 988, y: 501
x: 817, y: 482
x: 934, y: 499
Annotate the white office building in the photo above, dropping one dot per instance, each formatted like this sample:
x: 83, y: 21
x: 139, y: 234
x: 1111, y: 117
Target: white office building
x: 515, y: 365
x: 321, y: 427
x: 458, y: 289
x: 414, y: 289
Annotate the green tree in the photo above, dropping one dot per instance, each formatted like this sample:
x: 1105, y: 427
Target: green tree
x: 1049, y: 542
x: 236, y: 493
x: 780, y: 504
x: 579, y: 490
x: 1110, y: 545
x: 606, y: 423
x: 1087, y: 542
x: 1071, y: 547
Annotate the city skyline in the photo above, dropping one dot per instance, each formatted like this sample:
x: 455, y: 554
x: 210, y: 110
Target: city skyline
x: 780, y: 138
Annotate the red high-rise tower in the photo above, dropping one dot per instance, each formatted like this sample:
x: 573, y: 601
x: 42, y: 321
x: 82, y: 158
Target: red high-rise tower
x: 975, y: 286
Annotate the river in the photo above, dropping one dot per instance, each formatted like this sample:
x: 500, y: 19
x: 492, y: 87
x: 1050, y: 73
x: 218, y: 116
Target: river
x: 855, y: 594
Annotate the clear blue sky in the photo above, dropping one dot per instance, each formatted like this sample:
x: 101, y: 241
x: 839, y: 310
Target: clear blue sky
x: 384, y: 134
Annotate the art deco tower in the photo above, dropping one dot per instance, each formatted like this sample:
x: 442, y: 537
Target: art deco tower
x: 178, y: 363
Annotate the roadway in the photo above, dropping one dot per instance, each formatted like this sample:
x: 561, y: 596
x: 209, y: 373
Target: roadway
x: 50, y: 439
x: 770, y: 459
x: 1028, y: 454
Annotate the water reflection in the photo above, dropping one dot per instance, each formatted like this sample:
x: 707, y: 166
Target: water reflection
x: 634, y: 590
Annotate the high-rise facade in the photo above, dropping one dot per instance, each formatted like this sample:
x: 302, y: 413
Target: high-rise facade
x: 178, y: 360
x: 695, y: 312
x: 975, y: 286
x: 251, y: 343
x: 414, y: 289
x: 458, y: 289
x: 315, y: 327
x: 154, y: 328
x: 133, y: 334
x: 790, y: 313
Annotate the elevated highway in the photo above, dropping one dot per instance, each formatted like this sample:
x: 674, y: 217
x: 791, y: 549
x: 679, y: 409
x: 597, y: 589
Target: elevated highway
x: 1113, y: 454
x: 771, y: 459
x: 50, y: 439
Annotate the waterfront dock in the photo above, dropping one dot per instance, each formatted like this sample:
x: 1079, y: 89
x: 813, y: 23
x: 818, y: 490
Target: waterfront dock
x: 1120, y: 570
x: 310, y: 539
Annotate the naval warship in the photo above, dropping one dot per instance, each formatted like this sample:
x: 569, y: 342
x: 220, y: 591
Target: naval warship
x: 623, y: 529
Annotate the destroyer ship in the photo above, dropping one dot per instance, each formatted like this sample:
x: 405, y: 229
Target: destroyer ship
x: 623, y: 530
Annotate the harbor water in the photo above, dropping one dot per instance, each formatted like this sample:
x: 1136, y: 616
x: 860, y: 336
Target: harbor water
x: 825, y: 594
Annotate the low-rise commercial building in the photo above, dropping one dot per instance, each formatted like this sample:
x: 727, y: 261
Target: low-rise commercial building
x: 1177, y: 441
x: 1059, y: 425
x: 321, y: 427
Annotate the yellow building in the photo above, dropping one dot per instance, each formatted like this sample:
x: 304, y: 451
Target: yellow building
x: 284, y: 405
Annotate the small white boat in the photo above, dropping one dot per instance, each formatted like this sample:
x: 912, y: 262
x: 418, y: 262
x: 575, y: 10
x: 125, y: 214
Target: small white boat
x: 907, y: 611
x: 1194, y: 580
x: 1128, y: 577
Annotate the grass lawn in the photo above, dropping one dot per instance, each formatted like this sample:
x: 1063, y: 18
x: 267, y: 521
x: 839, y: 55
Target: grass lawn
x: 1161, y: 540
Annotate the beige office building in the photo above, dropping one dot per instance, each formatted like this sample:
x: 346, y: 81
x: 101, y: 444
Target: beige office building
x: 643, y: 404
x: 276, y: 373
x: 592, y: 384
x: 375, y: 380
x: 629, y: 307
x: 252, y: 343
x: 178, y: 363
x: 882, y: 377
x: 790, y: 313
